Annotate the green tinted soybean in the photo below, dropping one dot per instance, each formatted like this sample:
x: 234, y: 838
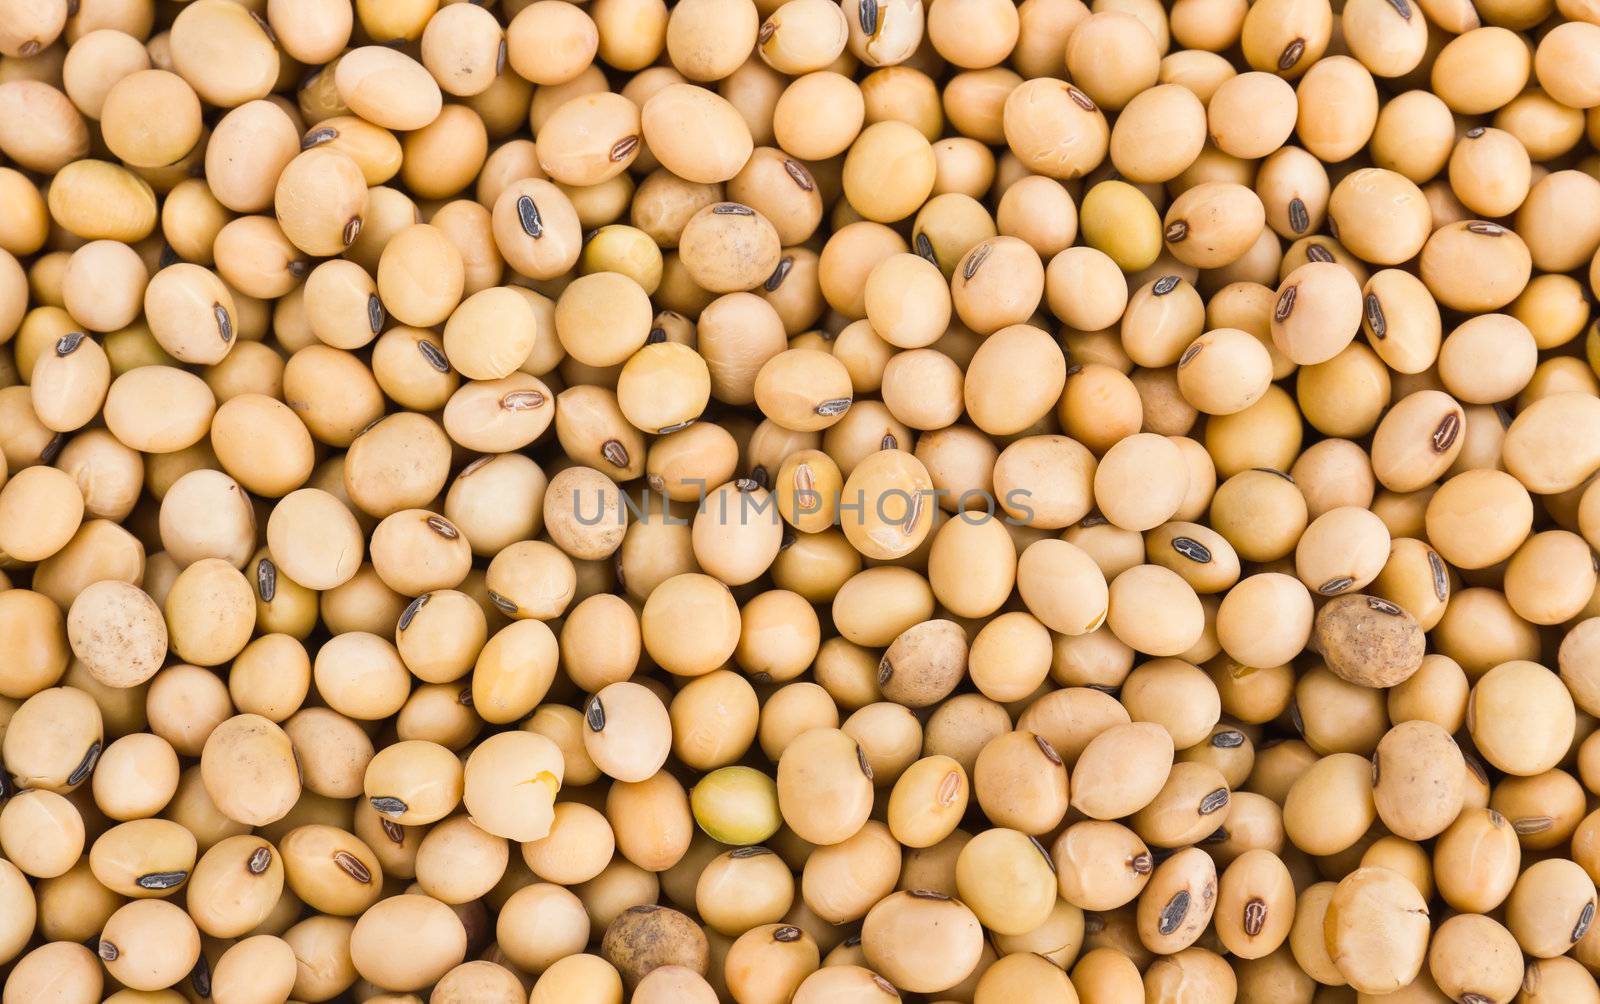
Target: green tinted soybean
x: 1118, y: 220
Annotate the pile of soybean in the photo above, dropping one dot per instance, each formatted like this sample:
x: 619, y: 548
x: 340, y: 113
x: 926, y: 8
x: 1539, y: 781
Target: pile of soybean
x: 796, y: 502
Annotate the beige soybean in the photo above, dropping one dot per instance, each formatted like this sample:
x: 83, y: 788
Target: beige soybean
x: 1376, y: 929
x: 249, y: 770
